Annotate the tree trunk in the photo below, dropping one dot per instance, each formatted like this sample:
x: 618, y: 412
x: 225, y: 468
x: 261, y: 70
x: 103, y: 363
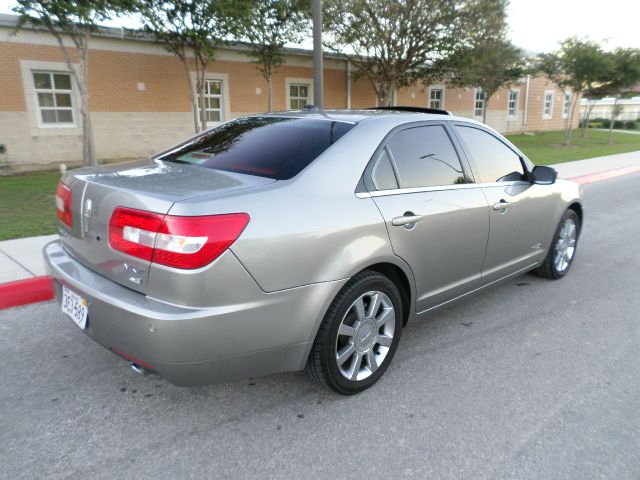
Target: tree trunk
x: 201, y: 87
x: 585, y: 120
x: 385, y: 95
x: 614, y: 114
x: 80, y: 78
x: 192, y: 94
x: 88, y: 146
x: 270, y: 93
x: 568, y: 128
x: 485, y: 104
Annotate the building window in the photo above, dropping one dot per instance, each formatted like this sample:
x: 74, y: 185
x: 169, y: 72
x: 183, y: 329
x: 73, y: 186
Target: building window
x: 298, y: 96
x: 479, y: 103
x: 566, y: 105
x: 54, y: 95
x: 547, y: 112
x: 512, y: 105
x: 213, y: 100
x: 436, y: 98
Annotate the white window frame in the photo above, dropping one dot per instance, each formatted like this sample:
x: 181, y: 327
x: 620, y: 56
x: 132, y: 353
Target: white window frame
x: 298, y: 97
x: 566, y: 104
x: 53, y: 91
x: 549, y: 115
x: 475, y: 103
x: 220, y: 77
x: 220, y: 96
x: 515, y: 101
x: 289, y: 81
x: 436, y: 88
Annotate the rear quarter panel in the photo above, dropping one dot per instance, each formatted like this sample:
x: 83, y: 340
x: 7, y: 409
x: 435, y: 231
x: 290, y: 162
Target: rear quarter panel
x: 312, y: 228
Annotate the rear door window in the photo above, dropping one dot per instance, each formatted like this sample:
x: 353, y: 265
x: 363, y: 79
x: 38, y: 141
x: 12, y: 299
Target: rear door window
x: 272, y: 147
x: 425, y: 157
x: 495, y: 161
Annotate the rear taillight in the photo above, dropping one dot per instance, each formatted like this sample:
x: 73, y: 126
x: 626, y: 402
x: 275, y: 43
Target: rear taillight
x: 180, y: 242
x: 63, y: 204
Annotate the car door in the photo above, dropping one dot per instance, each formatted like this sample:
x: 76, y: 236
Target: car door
x: 520, y: 212
x: 437, y: 218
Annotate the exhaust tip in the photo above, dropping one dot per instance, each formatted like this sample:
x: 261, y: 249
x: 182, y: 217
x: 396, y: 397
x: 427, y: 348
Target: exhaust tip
x: 137, y: 368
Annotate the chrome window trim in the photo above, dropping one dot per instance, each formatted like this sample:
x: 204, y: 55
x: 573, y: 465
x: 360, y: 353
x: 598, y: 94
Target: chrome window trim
x: 464, y: 186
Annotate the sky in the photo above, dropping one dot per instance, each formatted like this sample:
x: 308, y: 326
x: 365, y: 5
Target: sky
x: 538, y: 25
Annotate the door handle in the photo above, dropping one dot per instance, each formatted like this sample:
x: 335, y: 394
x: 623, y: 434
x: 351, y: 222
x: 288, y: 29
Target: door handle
x: 501, y: 205
x: 405, y: 220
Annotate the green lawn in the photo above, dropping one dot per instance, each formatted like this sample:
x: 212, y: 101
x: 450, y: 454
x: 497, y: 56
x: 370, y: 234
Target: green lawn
x: 27, y: 205
x: 547, y: 147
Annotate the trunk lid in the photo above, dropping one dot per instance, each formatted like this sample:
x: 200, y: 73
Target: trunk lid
x: 149, y: 185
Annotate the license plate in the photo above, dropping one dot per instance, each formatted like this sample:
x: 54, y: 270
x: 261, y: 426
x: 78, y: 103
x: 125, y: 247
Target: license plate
x: 75, y: 306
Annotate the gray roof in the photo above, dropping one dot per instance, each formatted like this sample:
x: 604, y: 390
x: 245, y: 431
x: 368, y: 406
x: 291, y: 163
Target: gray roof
x: 11, y: 21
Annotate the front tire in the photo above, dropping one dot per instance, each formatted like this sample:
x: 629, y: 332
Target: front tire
x: 563, y: 248
x: 358, y: 336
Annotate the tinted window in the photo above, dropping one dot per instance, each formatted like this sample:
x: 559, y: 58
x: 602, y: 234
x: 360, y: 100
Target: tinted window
x: 382, y: 173
x: 265, y: 146
x: 495, y: 161
x: 425, y: 157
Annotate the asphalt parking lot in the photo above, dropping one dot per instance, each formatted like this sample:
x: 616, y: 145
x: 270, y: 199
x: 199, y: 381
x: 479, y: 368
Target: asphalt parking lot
x: 531, y: 379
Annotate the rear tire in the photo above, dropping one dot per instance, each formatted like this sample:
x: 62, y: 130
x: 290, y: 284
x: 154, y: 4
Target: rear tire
x: 358, y: 336
x: 563, y: 248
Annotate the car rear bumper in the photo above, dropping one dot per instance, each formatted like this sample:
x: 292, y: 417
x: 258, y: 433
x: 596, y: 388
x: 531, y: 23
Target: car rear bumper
x: 269, y: 333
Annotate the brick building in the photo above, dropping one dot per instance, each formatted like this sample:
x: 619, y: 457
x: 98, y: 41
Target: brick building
x: 140, y: 101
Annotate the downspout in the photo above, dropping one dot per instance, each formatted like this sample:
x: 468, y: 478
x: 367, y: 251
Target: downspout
x: 526, y: 102
x: 348, y: 84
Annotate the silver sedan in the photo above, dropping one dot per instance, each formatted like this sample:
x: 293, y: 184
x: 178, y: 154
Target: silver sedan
x: 303, y: 239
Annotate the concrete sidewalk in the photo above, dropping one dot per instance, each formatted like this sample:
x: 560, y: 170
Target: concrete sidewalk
x: 22, y: 258
x: 597, y: 165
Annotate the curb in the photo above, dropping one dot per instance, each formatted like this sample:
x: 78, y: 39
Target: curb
x: 24, y: 292
x: 41, y: 289
x: 606, y: 175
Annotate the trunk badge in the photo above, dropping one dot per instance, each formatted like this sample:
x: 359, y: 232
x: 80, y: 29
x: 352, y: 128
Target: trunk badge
x: 135, y: 274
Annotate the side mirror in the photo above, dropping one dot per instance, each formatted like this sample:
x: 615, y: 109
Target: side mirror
x: 543, y: 175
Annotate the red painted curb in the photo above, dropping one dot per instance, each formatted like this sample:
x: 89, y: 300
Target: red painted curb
x: 607, y: 174
x: 23, y: 292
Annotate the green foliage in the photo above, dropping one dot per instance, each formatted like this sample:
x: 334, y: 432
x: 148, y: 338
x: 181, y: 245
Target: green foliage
x: 394, y: 42
x: 268, y: 25
x: 623, y: 73
x: 579, y: 65
x: 191, y: 26
x: 490, y: 65
x: 183, y: 25
x: 71, y: 17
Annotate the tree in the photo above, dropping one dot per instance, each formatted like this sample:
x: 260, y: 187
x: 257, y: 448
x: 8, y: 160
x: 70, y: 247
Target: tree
x: 76, y: 20
x: 268, y: 25
x: 623, y: 76
x: 191, y: 30
x: 393, y: 43
x: 489, y: 65
x: 579, y: 65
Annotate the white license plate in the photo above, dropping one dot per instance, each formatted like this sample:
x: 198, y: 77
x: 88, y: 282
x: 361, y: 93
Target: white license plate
x: 75, y: 306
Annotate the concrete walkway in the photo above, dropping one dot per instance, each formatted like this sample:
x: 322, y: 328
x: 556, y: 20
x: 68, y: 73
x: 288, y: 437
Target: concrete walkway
x: 22, y: 258
x: 597, y: 165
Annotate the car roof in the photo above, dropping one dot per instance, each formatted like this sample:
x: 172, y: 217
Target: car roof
x: 357, y: 116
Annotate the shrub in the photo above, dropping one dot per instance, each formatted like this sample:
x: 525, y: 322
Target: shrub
x: 631, y: 124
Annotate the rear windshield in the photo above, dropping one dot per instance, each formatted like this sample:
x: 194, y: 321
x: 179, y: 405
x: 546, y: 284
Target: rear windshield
x: 272, y: 147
